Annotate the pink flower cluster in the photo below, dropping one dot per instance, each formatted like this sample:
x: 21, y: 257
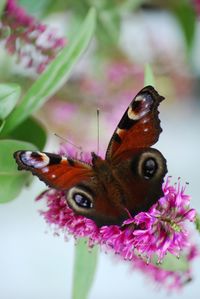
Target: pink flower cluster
x: 144, y: 239
x: 34, y: 43
x: 163, y: 227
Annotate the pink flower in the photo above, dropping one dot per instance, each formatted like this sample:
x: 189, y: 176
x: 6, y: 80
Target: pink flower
x: 34, y: 43
x: 163, y: 227
x: 141, y: 240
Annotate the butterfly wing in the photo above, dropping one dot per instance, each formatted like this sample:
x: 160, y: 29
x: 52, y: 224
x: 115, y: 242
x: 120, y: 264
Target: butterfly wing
x: 139, y: 126
x: 141, y: 175
x: 84, y: 191
x: 56, y: 171
x: 139, y: 169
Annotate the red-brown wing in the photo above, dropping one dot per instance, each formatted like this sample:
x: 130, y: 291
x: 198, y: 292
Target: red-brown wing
x: 56, y: 171
x: 139, y: 126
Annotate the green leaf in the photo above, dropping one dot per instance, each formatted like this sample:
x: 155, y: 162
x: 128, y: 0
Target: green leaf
x: 36, y: 8
x: 2, y: 123
x: 197, y: 222
x: 172, y: 263
x: 11, y: 180
x: 109, y: 26
x: 58, y: 5
x: 185, y: 15
x: 30, y: 131
x: 54, y: 76
x: 148, y: 76
x: 84, y: 269
x: 9, y: 95
x: 128, y: 6
x: 8, y: 193
x: 2, y: 5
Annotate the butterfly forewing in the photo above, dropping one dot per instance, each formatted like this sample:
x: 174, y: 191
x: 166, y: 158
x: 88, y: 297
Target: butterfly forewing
x: 56, y: 171
x: 139, y: 126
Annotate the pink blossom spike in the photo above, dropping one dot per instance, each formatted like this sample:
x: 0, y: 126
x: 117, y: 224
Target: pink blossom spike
x: 25, y: 35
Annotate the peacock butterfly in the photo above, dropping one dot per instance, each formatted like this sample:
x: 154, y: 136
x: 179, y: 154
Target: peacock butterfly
x: 128, y: 181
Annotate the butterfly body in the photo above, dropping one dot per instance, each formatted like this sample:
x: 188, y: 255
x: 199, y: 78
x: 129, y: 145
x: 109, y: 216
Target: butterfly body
x: 129, y: 179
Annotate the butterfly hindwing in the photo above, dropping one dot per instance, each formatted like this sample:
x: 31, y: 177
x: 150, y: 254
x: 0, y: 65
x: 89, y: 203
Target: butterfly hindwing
x: 56, y: 171
x: 141, y: 175
x: 139, y: 126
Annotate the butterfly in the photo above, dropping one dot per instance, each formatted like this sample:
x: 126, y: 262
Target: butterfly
x: 129, y: 179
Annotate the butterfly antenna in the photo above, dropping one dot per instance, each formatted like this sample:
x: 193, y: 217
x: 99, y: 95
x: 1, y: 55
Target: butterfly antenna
x: 98, y: 135
x: 68, y: 141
